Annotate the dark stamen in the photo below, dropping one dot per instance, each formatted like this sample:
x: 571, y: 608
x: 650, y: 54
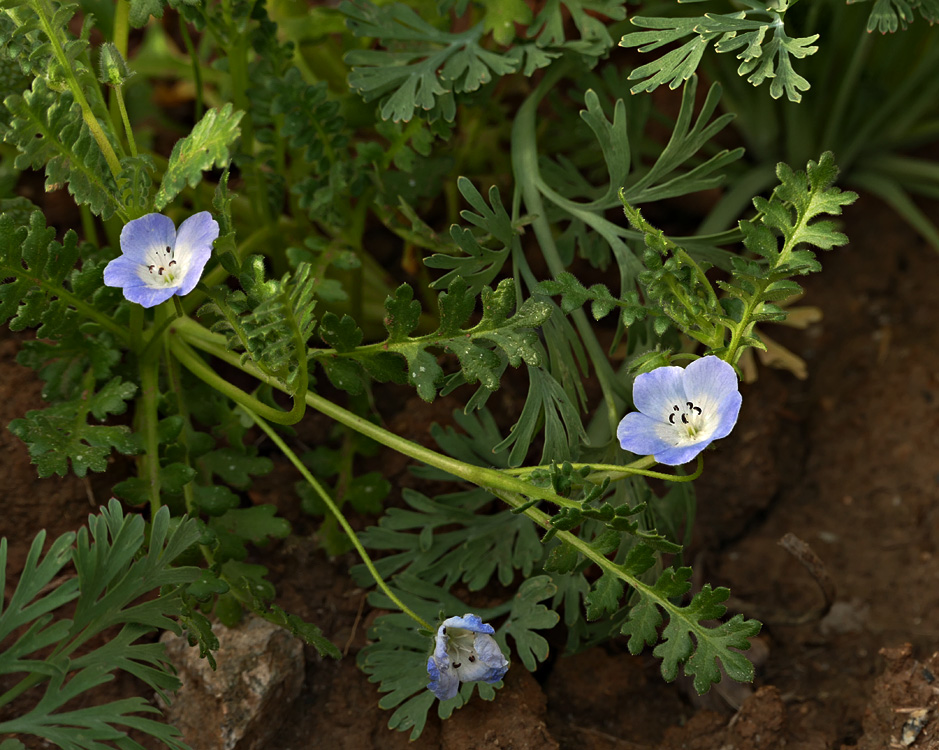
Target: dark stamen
x: 173, y: 263
x: 472, y: 658
x: 671, y: 419
x: 697, y: 409
x: 690, y: 405
x: 169, y: 249
x: 457, y: 665
x: 161, y: 270
x: 675, y: 408
x: 684, y: 419
x: 150, y: 268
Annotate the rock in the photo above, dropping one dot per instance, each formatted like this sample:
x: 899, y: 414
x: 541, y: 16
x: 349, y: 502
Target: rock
x: 260, y: 673
x: 515, y: 720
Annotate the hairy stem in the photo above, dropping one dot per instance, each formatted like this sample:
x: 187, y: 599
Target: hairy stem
x: 114, y: 164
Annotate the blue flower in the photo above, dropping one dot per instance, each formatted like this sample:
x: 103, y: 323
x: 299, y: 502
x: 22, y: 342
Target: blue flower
x: 681, y: 411
x: 464, y: 651
x: 157, y: 262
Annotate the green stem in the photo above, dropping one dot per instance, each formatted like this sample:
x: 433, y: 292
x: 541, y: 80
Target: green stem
x: 121, y: 26
x: 745, y: 325
x: 148, y: 416
x: 198, y: 367
x: 238, y: 67
x: 490, y: 479
x: 114, y: 164
x: 337, y: 514
x: 527, y: 177
x: 196, y: 67
x: 615, y: 471
x: 175, y: 380
x: 119, y: 97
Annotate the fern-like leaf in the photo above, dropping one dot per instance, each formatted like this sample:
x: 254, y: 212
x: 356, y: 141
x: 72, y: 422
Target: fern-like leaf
x: 205, y: 147
x: 48, y: 129
x: 115, y: 566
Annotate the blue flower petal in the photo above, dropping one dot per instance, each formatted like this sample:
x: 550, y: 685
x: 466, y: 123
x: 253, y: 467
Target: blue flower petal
x: 149, y: 233
x: 147, y: 296
x: 122, y: 271
x: 708, y: 381
x: 443, y: 682
x: 492, y: 657
x: 677, y: 455
x: 194, y: 244
x: 655, y: 392
x: 464, y: 651
x: 468, y: 621
x: 637, y: 434
x: 729, y: 410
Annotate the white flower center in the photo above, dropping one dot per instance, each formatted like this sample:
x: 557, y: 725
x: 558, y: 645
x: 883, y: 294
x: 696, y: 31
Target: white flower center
x: 690, y: 423
x: 161, y: 269
x: 461, y: 648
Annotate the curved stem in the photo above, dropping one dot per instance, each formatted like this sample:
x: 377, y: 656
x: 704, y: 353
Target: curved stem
x: 337, y: 514
x: 190, y: 332
x: 527, y: 177
x: 198, y: 367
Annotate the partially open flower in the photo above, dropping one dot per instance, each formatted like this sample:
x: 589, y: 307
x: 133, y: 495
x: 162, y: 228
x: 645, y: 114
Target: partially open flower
x: 157, y: 262
x: 464, y: 651
x: 681, y: 410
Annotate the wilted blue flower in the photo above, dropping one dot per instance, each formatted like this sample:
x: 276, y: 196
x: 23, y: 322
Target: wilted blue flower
x: 464, y: 651
x: 681, y: 411
x: 157, y: 262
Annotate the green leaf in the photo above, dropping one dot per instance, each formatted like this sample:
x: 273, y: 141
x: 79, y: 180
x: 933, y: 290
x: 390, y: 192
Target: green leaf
x: 527, y: 616
x: 115, y: 566
x: 271, y: 320
x: 48, y: 129
x: 236, y: 467
x: 238, y: 526
x: 431, y: 67
x: 711, y: 644
x: 510, y: 335
x: 205, y: 147
x: 480, y: 265
x: 444, y: 541
x: 604, y: 597
x: 761, y: 59
x: 60, y: 434
x: 397, y: 655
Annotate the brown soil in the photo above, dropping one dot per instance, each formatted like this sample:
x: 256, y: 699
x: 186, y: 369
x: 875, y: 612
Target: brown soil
x: 845, y: 461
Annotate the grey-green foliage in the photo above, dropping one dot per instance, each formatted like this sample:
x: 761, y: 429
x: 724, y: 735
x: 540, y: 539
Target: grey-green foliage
x: 425, y: 68
x: 758, y: 38
x: 117, y: 560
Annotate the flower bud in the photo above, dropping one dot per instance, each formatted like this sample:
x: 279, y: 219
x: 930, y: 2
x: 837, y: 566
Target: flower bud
x: 112, y: 69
